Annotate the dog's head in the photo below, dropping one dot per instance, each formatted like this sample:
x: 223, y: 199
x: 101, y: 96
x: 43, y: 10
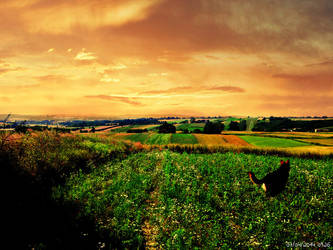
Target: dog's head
x: 285, y: 164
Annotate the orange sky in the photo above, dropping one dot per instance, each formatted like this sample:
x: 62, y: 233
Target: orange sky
x: 162, y: 57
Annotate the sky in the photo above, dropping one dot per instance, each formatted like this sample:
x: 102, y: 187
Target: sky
x: 139, y: 58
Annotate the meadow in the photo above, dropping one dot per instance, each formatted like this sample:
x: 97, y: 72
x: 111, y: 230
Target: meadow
x: 94, y: 191
x: 272, y: 142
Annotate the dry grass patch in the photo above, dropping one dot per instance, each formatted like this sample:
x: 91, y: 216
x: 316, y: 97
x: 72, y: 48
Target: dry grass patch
x: 325, y: 142
x: 210, y: 139
x: 235, y: 140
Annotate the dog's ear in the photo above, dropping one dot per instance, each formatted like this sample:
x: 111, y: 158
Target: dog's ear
x: 287, y: 161
x: 281, y: 162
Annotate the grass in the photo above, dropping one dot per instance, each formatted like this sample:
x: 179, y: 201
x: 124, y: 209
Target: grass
x: 183, y: 139
x: 323, y: 142
x: 205, y: 201
x: 159, y: 139
x: 191, y: 126
x: 94, y: 192
x: 272, y: 142
x: 206, y: 139
x: 139, y: 137
x: 150, y: 138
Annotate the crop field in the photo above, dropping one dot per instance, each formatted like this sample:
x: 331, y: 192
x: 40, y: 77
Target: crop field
x: 191, y: 126
x: 183, y: 139
x: 207, y: 139
x: 159, y: 139
x: 98, y: 192
x: 272, y: 142
x: 323, y: 142
x: 205, y: 201
x: 211, y: 139
x: 139, y: 137
x: 149, y: 138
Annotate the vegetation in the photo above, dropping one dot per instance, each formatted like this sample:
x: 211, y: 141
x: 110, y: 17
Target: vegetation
x: 191, y: 127
x: 166, y: 128
x: 213, y: 128
x: 283, y: 124
x: 183, y: 139
x: 272, y: 142
x: 159, y: 139
x: 137, y: 130
x: 138, y: 137
x: 92, y: 192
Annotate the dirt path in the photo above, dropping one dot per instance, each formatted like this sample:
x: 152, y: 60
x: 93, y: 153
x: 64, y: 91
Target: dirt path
x: 150, y: 231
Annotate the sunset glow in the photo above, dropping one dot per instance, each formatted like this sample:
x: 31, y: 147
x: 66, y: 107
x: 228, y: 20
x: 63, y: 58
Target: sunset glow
x: 166, y: 57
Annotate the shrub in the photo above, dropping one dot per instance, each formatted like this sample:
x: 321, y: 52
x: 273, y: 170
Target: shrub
x: 213, y: 128
x: 167, y: 128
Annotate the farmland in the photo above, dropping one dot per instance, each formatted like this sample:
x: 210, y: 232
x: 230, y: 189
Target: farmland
x: 272, y: 142
x: 138, y: 190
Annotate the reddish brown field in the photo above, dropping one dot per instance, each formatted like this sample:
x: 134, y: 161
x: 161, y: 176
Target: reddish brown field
x: 220, y: 140
x: 235, y: 140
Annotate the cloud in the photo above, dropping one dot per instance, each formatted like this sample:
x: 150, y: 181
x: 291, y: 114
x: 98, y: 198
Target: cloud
x: 61, y: 16
x: 310, y: 82
x: 85, y: 56
x: 123, y: 99
x: 324, y: 63
x: 6, y: 69
x: 107, y: 78
x: 294, y: 104
x: 195, y: 89
x: 230, y: 89
x: 51, y: 78
x: 5, y: 99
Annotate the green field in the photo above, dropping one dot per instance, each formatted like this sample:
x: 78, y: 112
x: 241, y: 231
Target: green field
x: 159, y: 139
x: 272, y: 142
x: 183, y: 139
x: 150, y: 138
x: 191, y: 126
x: 91, y: 192
x: 205, y: 201
x: 162, y: 139
x: 139, y: 137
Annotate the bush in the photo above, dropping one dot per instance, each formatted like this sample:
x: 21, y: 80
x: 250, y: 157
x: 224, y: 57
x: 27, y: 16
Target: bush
x: 213, y: 128
x: 166, y: 128
x: 234, y: 126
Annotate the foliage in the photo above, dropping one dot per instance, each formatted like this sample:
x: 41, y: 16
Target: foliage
x: 183, y: 139
x: 65, y: 191
x: 234, y: 126
x: 272, y: 142
x: 167, y: 128
x: 208, y: 201
x: 191, y: 127
x: 213, y: 128
x: 137, y: 130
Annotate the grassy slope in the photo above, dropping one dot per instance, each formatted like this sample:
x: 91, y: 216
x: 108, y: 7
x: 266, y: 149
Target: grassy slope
x: 159, y: 139
x: 206, y: 201
x: 272, y: 142
x: 207, y: 139
x: 191, y: 126
x: 139, y: 137
x: 183, y: 139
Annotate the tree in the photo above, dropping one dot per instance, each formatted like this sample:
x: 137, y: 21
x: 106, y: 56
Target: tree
x: 213, y: 128
x: 166, y: 128
x: 234, y: 126
x: 242, y: 125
